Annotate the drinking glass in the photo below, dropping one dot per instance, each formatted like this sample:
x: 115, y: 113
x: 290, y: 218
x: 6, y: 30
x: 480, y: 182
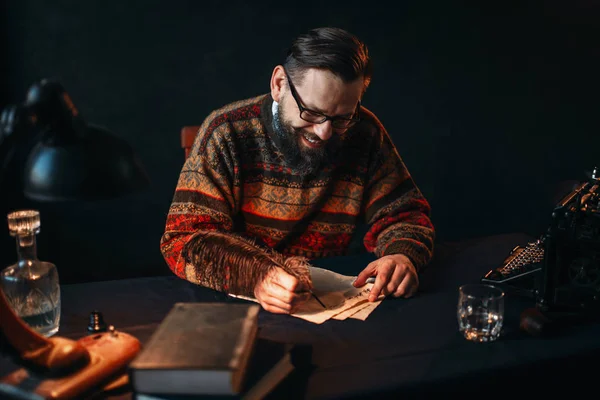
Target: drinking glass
x: 480, y: 312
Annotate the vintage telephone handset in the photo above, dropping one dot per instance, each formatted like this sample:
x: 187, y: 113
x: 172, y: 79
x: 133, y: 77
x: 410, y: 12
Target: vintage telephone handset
x: 61, y: 368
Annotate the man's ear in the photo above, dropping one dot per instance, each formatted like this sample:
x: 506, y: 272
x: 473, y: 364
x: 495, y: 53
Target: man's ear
x: 277, y: 83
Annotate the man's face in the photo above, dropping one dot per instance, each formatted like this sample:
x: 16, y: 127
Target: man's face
x: 308, y: 146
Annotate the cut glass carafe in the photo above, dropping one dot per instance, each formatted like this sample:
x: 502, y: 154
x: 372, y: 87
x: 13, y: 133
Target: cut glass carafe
x: 31, y: 286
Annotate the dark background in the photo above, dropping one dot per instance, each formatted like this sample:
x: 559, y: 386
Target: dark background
x: 491, y: 104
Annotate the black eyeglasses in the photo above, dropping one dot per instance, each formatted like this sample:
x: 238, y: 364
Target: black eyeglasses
x: 316, y: 117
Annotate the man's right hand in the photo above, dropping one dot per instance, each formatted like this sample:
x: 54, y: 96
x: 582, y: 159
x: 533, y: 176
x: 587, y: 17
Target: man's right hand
x: 280, y: 292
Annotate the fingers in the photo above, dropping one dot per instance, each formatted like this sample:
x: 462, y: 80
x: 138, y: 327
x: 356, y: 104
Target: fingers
x: 280, y: 292
x: 408, y: 286
x: 397, y: 278
x: 365, y: 274
x: 277, y: 306
x: 384, y: 273
x: 394, y: 276
x: 285, y: 281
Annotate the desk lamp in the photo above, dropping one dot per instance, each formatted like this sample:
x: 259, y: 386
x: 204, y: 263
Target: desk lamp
x: 70, y: 160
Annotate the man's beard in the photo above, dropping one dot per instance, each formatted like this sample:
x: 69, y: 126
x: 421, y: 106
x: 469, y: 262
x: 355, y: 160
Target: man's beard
x: 303, y: 160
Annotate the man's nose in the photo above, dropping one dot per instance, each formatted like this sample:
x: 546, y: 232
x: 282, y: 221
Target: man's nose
x: 324, y: 130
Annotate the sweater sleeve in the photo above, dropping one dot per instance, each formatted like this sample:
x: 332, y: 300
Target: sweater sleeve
x: 397, y: 213
x: 199, y: 243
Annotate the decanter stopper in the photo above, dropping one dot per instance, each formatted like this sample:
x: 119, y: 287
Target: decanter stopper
x: 24, y: 222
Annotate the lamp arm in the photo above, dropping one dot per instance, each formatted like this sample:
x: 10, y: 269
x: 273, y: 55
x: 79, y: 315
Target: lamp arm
x: 9, y: 122
x: 16, y: 123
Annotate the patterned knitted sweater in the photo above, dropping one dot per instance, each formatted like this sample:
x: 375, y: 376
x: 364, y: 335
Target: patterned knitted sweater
x: 236, y: 199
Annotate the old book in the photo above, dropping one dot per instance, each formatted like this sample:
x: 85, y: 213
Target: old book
x: 198, y: 349
x: 270, y: 364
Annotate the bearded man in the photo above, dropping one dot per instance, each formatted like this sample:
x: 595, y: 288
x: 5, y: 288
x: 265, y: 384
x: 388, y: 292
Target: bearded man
x: 283, y: 178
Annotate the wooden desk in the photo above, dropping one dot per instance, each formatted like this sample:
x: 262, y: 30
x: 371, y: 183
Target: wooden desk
x: 405, y: 347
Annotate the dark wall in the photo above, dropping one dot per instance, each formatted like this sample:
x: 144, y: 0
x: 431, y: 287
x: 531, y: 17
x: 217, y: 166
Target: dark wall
x: 490, y: 105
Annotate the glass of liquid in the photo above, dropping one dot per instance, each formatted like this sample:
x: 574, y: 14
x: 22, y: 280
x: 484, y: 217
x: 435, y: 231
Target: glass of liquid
x: 480, y: 312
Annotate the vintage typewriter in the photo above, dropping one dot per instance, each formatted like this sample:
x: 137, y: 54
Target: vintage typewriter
x: 560, y: 270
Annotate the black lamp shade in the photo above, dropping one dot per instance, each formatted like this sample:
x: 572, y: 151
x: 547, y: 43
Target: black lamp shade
x: 70, y: 159
x: 94, y: 164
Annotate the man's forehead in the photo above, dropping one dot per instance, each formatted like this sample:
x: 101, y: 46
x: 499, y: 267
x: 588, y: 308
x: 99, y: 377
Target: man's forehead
x: 322, y: 87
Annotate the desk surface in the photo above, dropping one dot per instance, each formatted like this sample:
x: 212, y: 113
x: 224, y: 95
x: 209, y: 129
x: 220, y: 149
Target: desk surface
x: 404, y: 346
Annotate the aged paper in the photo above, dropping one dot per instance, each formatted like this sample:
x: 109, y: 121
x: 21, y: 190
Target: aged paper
x: 364, y: 312
x: 351, y: 311
x: 341, y: 298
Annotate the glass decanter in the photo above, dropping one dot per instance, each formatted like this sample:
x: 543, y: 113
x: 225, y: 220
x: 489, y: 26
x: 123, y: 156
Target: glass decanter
x: 31, y: 286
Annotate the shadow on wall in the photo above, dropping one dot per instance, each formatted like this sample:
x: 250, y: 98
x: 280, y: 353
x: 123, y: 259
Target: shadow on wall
x: 479, y: 193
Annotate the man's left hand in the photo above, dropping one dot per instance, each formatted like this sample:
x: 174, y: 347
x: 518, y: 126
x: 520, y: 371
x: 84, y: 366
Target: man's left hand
x: 394, y: 275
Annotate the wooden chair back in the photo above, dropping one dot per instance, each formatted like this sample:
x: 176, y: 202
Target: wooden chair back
x: 188, y: 134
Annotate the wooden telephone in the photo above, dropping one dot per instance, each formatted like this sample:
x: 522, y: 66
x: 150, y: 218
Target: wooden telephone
x: 61, y: 368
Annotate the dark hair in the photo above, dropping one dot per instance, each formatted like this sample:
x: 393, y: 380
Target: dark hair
x: 333, y: 49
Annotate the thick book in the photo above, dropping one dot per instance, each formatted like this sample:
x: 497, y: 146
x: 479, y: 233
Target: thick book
x: 270, y: 364
x: 198, y: 349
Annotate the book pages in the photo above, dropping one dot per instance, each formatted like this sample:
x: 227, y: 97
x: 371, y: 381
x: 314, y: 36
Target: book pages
x: 341, y: 298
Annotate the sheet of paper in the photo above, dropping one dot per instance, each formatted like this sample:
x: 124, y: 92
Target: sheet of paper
x: 336, y: 291
x: 364, y: 312
x: 351, y: 311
